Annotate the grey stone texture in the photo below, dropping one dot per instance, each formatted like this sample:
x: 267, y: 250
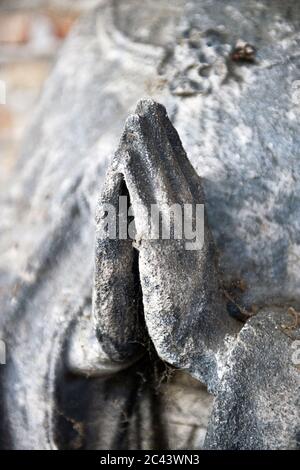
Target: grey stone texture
x: 239, y: 125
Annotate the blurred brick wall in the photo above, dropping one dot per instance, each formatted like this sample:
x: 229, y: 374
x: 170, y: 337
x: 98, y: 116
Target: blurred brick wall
x: 31, y: 32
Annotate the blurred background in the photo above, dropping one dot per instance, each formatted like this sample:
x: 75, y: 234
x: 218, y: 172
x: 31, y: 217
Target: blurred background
x: 31, y: 33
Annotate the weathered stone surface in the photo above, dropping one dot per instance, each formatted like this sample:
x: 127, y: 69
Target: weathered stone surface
x: 240, y: 127
x: 257, y: 405
x: 180, y: 295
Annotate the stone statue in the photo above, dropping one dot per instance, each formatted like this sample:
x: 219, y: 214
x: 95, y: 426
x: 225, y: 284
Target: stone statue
x: 168, y: 347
